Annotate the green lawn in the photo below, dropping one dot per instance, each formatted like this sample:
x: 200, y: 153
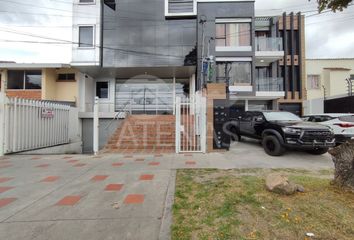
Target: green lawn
x: 233, y: 204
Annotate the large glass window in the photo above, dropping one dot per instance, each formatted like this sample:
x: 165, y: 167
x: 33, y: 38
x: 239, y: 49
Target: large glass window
x: 86, y: 36
x: 19, y: 79
x: 237, y: 73
x: 233, y: 34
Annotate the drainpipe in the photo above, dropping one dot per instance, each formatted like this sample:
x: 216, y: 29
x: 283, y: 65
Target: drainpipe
x: 101, y: 32
x: 95, y: 126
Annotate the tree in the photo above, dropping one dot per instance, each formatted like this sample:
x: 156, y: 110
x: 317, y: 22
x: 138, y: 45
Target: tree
x: 334, y: 5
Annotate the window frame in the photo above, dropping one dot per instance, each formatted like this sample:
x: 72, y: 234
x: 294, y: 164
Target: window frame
x: 93, y: 36
x: 309, y: 83
x: 67, y: 79
x: 182, y: 14
x: 227, y: 21
x: 236, y: 60
x: 24, y: 80
x: 108, y: 89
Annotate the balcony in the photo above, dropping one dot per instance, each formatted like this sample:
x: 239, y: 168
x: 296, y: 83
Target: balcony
x: 268, y: 50
x: 270, y: 87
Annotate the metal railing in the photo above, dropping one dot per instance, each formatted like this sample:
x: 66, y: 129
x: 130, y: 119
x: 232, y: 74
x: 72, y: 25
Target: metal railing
x: 274, y: 84
x: 269, y: 44
x: 121, y: 114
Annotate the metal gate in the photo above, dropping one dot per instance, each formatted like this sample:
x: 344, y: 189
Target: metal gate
x: 32, y: 124
x: 191, y: 124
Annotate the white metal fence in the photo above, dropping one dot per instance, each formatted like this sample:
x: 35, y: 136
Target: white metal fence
x: 191, y: 124
x: 33, y: 124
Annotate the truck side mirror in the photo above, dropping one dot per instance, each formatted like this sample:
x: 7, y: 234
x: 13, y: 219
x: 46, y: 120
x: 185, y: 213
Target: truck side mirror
x: 259, y: 119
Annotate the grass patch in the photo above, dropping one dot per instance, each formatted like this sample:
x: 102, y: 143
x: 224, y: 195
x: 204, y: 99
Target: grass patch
x: 222, y: 204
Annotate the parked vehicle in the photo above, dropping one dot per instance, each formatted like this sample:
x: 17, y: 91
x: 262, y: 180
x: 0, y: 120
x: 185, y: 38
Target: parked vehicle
x: 281, y: 130
x: 341, y: 123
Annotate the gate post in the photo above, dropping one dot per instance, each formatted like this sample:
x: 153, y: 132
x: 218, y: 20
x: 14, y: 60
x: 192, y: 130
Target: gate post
x: 95, y: 127
x: 178, y: 124
x: 2, y: 124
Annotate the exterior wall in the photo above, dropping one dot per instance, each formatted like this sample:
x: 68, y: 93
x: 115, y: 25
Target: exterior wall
x: 67, y: 91
x: 139, y: 35
x: 214, y: 10
x: 49, y: 77
x: 333, y: 80
x: 86, y: 15
x: 29, y: 94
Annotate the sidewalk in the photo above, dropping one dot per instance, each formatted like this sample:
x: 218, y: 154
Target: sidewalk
x: 112, y: 196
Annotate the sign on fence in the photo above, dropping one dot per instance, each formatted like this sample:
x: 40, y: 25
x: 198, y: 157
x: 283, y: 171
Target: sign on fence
x: 47, y: 113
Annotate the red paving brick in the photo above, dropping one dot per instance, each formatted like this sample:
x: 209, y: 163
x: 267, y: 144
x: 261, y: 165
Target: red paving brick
x: 158, y: 155
x: 6, y: 201
x: 134, y: 199
x: 36, y: 158
x: 43, y: 166
x: 139, y: 160
x: 73, y: 161
x: 99, y: 178
x: 50, y: 179
x: 146, y: 177
x: 4, y: 189
x: 117, y: 164
x: 67, y: 157
x: 190, y: 162
x: 80, y: 165
x: 4, y: 179
x: 154, y: 163
x: 128, y: 156
x: 114, y: 187
x: 68, y: 201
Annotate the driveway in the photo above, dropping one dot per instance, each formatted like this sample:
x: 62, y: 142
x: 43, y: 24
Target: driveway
x: 112, y: 196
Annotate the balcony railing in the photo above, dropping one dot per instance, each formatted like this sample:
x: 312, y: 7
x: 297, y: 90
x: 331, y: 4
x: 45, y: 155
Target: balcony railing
x: 275, y: 84
x: 269, y: 44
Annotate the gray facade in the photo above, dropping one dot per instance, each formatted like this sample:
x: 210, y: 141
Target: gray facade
x: 138, y: 34
x: 212, y: 11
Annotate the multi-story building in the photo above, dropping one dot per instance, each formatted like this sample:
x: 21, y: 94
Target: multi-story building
x: 144, y: 53
x: 329, y: 86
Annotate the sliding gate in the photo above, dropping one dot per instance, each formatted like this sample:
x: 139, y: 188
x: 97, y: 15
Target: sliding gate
x: 191, y: 124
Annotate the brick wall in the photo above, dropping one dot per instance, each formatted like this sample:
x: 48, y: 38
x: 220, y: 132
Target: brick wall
x: 28, y: 94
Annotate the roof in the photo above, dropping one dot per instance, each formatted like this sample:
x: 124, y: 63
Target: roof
x: 337, y: 69
x: 32, y: 65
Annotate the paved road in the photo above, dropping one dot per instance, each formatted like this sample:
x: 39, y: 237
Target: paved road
x: 111, y: 197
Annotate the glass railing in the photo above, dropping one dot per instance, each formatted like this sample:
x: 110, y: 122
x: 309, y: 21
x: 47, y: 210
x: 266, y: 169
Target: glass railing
x: 269, y: 44
x: 271, y: 84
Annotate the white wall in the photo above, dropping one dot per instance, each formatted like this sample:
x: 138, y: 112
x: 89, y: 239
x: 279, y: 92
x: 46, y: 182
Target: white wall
x: 84, y: 15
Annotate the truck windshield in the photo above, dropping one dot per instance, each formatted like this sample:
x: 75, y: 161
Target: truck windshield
x: 281, y: 116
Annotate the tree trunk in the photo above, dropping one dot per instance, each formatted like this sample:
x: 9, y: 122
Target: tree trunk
x: 343, y: 158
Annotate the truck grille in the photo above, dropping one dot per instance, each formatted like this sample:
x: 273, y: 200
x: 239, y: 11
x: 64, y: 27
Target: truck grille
x: 319, y: 136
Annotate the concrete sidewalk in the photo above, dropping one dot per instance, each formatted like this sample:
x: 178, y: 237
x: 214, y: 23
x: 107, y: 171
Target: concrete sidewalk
x: 112, y: 196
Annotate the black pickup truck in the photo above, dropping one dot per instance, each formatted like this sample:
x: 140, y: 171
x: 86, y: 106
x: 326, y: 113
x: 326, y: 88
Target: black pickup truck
x: 281, y: 130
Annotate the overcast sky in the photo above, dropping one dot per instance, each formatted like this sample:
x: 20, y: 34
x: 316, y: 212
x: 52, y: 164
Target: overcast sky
x: 328, y: 35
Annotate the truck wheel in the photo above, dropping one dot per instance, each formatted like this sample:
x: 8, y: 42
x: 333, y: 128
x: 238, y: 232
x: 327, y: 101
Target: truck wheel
x: 318, y: 151
x: 272, y: 146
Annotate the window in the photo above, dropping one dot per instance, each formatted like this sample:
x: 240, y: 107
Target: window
x: 29, y: 79
x: 102, y: 89
x: 86, y: 36
x: 313, y: 82
x: 86, y: 1
x: 351, y: 76
x: 233, y: 34
x: 180, y: 8
x: 66, y: 77
x: 238, y: 73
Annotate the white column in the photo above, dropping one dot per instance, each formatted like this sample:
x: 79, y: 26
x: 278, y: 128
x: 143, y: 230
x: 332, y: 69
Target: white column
x: 246, y: 105
x: 2, y: 123
x: 95, y: 126
x: 174, y: 95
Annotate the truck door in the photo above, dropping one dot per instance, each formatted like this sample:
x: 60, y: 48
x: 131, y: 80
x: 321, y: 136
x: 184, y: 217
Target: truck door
x: 246, y: 125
